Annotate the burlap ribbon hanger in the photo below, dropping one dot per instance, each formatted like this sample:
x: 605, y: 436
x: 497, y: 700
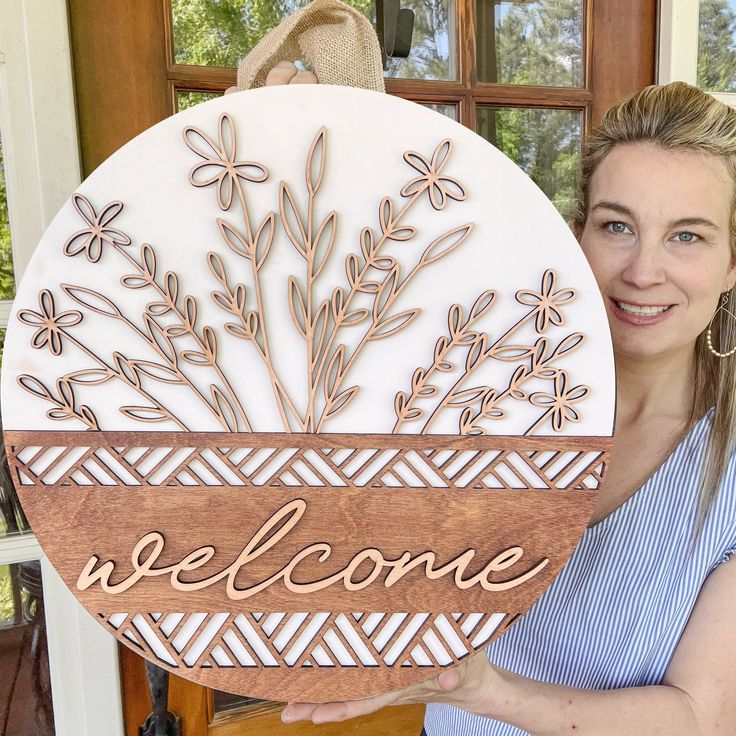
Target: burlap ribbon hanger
x: 338, y: 41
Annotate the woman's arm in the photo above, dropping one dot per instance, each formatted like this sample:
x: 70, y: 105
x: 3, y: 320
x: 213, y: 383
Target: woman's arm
x: 697, y: 698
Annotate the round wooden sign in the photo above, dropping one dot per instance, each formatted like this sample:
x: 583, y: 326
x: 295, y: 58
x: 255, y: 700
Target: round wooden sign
x: 308, y: 392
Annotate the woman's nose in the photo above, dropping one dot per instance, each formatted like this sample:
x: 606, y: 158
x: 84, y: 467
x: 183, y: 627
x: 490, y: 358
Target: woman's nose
x: 645, y: 266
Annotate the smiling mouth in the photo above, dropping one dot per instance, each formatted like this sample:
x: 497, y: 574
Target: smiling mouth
x: 642, y: 311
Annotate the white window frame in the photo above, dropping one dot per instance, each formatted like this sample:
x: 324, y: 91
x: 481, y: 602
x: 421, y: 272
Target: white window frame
x: 677, y: 57
x: 41, y: 152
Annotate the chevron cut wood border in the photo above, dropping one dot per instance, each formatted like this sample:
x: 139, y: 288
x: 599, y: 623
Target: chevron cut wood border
x: 308, y: 393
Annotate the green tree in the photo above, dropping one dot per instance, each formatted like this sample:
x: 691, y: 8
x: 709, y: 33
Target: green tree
x: 7, y: 278
x: 716, y: 54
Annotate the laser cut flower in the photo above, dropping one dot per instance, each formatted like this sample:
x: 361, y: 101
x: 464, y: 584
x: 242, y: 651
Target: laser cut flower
x: 48, y: 322
x: 440, y: 188
x: 559, y: 403
x: 219, y: 166
x: 90, y: 239
x: 547, y: 301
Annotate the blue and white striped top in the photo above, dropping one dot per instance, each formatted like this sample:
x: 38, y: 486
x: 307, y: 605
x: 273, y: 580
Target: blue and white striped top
x: 614, y: 615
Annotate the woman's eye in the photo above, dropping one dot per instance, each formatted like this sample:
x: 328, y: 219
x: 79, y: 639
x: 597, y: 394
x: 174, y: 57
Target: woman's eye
x: 616, y: 227
x: 689, y: 237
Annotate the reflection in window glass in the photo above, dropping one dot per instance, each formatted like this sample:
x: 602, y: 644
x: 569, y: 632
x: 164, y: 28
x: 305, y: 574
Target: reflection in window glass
x: 12, y: 518
x: 25, y: 686
x: 449, y: 111
x: 185, y: 100
x: 544, y: 143
x: 717, y: 46
x: 227, y: 702
x: 7, y: 279
x: 534, y: 43
x: 221, y: 32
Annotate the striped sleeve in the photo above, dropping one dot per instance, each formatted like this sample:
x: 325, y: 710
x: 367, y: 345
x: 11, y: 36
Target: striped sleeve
x: 729, y: 552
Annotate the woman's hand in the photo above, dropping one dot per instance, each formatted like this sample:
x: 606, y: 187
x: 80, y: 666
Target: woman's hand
x: 285, y: 72
x: 472, y: 685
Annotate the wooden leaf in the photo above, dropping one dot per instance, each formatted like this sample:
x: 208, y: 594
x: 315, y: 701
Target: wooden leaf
x: 92, y: 300
x: 369, y: 287
x: 476, y: 352
x: 337, y: 301
x: 264, y: 239
x: 89, y: 416
x: 171, y: 286
x: 386, y: 293
x: 224, y: 409
x: 352, y: 269
x: 468, y: 396
x: 161, y: 340
x: 157, y: 309
x: 190, y: 311
x: 126, y: 369
x: 241, y: 295
x: 316, y: 161
x: 399, y: 403
x: 386, y: 214
x: 428, y: 391
x: 319, y: 329
x: 341, y: 401
x: 482, y: 304
x: 454, y: 318
x: 144, y: 413
x: 217, y: 267
x: 512, y: 353
x: 194, y: 357
x: 291, y: 220
x: 323, y: 242
x: 90, y: 376
x: 210, y: 342
x: 417, y: 377
x: 59, y: 414
x: 237, y: 330
x: 148, y: 260
x: 402, y: 233
x: 367, y: 243
x: 334, y: 371
x: 394, y: 324
x: 34, y: 386
x: 445, y: 244
x: 384, y: 264
x: 568, y: 344
x: 133, y: 281
x: 355, y: 317
x: 297, y: 307
x: 222, y: 300
x: 176, y: 331
x: 233, y: 239
x: 158, y: 372
x: 414, y: 414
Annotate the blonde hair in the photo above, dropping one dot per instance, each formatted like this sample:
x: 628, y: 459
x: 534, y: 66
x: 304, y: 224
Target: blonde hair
x: 680, y: 116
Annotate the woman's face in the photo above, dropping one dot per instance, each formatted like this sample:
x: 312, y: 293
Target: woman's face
x: 657, y: 239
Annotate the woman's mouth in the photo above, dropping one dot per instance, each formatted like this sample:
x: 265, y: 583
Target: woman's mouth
x: 640, y: 314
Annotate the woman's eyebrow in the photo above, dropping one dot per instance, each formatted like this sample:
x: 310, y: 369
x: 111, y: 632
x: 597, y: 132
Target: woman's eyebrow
x: 683, y: 221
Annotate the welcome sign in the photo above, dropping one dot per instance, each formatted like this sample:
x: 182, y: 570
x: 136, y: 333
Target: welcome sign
x: 308, y: 393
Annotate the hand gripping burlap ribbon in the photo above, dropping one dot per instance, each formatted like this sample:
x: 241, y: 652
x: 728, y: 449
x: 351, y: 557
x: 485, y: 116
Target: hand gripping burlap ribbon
x: 338, y: 41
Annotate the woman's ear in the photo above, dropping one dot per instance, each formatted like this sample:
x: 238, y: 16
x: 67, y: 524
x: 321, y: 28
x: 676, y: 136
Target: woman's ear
x: 731, y: 275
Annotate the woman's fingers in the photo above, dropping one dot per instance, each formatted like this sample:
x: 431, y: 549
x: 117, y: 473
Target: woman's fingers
x: 304, y: 77
x: 337, y: 711
x: 282, y: 73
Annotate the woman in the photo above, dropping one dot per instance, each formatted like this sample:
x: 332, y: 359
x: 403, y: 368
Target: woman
x: 635, y: 635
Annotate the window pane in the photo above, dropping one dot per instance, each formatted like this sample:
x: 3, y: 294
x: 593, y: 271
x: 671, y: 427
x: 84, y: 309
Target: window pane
x: 7, y: 280
x: 221, y: 32
x: 534, y: 43
x: 544, y: 143
x: 716, y: 46
x: 449, y: 111
x: 25, y: 686
x: 188, y: 99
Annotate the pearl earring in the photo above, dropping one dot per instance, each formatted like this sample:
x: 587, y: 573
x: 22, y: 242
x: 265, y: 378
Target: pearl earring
x: 708, y: 339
